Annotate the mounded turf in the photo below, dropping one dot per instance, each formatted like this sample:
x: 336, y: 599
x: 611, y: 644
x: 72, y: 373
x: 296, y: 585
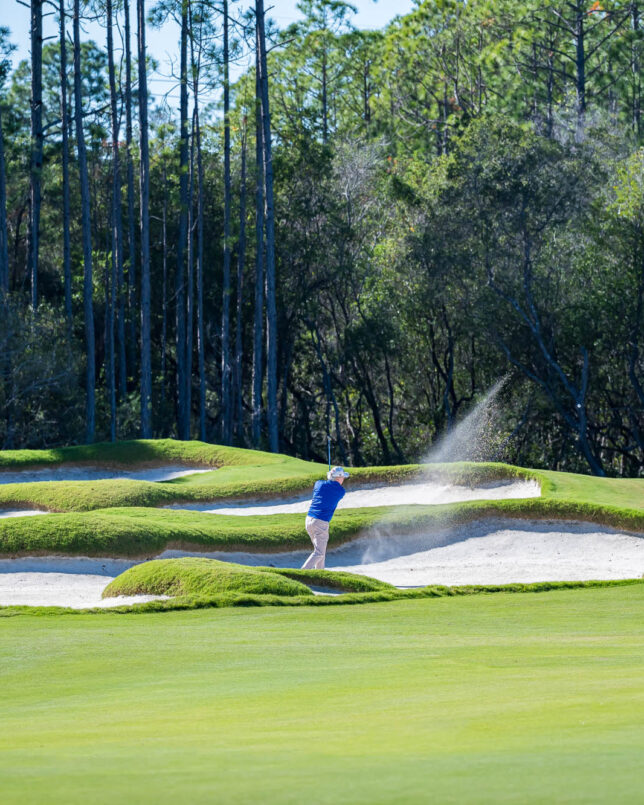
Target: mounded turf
x: 486, y: 699
x: 201, y: 577
x: 120, y: 529
x: 207, y: 578
x: 146, y: 532
x: 241, y: 474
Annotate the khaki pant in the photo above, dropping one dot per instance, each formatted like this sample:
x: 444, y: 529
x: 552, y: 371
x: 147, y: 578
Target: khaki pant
x: 318, y: 530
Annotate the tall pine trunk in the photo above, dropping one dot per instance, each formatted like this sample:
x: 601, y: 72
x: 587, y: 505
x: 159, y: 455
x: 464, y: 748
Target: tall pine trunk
x: 196, y: 150
x: 190, y: 277
x: 164, y: 282
x: 4, y: 243
x: 226, y: 368
x: 258, y: 324
x: 88, y: 306
x: 201, y: 355
x: 241, y: 259
x: 67, y: 250
x: 116, y: 297
x: 271, y: 306
x: 117, y: 223
x: 35, y: 173
x: 144, y: 180
x: 131, y: 227
x: 183, y: 422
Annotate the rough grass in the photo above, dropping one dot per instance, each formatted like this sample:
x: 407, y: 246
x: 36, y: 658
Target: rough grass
x: 192, y: 576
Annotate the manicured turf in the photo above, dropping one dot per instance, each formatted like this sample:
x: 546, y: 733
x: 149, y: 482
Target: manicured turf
x: 146, y: 532
x: 195, y: 576
x: 486, y: 699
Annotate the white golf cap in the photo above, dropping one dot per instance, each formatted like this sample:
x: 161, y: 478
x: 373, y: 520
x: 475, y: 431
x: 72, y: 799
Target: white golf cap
x: 337, y: 472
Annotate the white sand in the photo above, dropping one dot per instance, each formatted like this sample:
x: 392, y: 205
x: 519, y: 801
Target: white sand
x: 485, y: 552
x: 77, y: 591
x: 489, y: 551
x: 428, y: 492
x: 21, y: 512
x: 63, y: 473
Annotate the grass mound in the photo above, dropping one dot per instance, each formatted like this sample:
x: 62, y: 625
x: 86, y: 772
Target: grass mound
x: 200, y: 577
x: 333, y: 580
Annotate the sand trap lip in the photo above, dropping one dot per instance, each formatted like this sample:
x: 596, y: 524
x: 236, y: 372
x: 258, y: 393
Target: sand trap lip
x: 488, y: 551
x: 428, y: 492
x: 164, y: 473
x: 483, y: 552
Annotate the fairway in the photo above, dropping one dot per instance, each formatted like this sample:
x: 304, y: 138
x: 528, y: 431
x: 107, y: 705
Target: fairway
x: 493, y: 699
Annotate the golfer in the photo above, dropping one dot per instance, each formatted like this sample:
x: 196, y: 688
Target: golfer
x: 326, y: 496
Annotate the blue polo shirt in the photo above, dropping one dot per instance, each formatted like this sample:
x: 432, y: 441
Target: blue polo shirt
x: 326, y: 496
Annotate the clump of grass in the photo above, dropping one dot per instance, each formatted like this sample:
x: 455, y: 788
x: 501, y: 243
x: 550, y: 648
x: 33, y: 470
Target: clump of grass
x: 193, y: 576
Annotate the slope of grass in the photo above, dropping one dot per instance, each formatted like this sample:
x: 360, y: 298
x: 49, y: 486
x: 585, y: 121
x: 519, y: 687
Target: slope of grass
x: 622, y: 492
x: 241, y: 474
x: 145, y: 532
x: 139, y: 453
x: 488, y: 699
x: 200, y: 577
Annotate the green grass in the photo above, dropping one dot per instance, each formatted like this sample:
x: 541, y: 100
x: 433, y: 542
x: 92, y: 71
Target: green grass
x: 485, y: 699
x: 242, y: 474
x: 145, y: 532
x: 200, y: 577
x: 138, y: 453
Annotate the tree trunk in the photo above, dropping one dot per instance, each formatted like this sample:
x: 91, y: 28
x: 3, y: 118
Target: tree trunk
x: 258, y: 327
x: 88, y: 307
x: 117, y: 235
x: 110, y: 303
x: 325, y: 105
x: 241, y: 258
x: 271, y: 306
x: 164, y: 281
x: 117, y: 222
x: 67, y: 251
x: 4, y: 244
x: 196, y: 150
x: 580, y: 68
x: 183, y: 426
x: 226, y: 369
x: 131, y: 228
x: 190, y: 277
x: 36, y: 146
x: 636, y: 68
x: 201, y: 356
x: 146, y: 358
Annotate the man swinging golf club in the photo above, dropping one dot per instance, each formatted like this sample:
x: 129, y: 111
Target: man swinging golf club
x: 326, y: 496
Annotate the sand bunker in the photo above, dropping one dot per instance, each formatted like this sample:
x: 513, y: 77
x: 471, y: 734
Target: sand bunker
x: 165, y: 473
x: 484, y: 552
x: 391, y: 495
x: 21, y: 512
x: 54, y: 581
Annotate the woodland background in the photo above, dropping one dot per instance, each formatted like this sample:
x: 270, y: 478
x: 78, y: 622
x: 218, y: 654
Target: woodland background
x: 358, y: 237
